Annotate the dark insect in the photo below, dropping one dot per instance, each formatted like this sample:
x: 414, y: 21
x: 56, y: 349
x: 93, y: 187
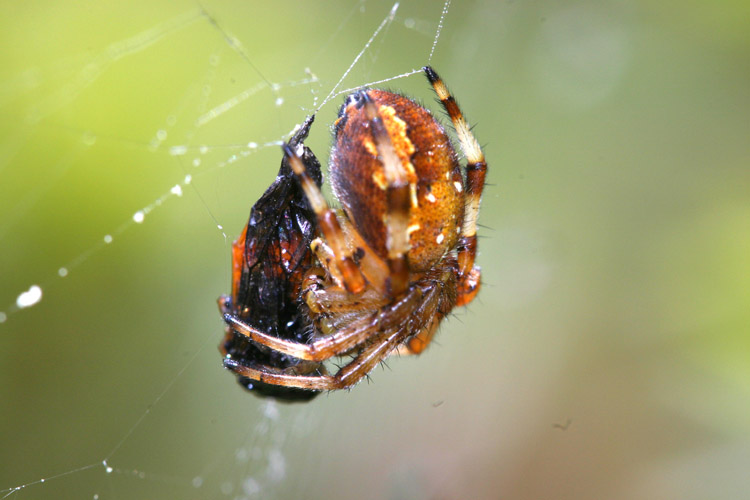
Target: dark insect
x: 376, y: 276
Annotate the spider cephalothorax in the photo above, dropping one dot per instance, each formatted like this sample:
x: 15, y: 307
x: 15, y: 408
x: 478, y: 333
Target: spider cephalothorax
x: 310, y: 284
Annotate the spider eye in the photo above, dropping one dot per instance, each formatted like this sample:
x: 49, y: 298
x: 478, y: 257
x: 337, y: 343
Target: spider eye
x: 356, y: 98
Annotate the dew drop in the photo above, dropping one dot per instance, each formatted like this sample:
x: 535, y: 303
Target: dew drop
x: 279, y: 101
x: 178, y: 150
x: 30, y: 297
x: 3, y: 317
x: 250, y: 486
x: 138, y: 216
x: 276, y: 466
x: 196, y: 162
x: 241, y: 455
x: 176, y: 190
x: 88, y: 138
x: 271, y: 411
x: 108, y: 238
x: 62, y: 272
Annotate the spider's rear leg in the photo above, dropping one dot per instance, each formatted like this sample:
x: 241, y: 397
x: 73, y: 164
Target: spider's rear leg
x: 328, y: 223
x: 403, y: 319
x: 346, y: 377
x: 344, y: 340
x: 476, y: 169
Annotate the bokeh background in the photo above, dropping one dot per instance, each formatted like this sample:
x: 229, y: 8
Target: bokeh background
x: 608, y: 355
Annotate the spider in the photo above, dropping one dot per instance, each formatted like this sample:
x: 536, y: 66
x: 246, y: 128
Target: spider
x: 375, y: 277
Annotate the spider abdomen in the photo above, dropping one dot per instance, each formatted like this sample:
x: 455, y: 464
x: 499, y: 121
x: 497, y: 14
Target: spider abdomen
x: 433, y: 172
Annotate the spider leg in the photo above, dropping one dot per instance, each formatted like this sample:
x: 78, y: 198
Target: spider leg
x: 398, y: 201
x: 342, y: 341
x: 329, y: 224
x: 420, y: 341
x: 347, y: 376
x: 405, y: 318
x: 476, y: 169
x: 327, y: 260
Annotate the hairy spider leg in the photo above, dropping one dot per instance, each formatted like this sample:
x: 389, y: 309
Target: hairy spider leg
x: 476, y: 169
x: 338, y: 343
x: 393, y: 329
x: 397, y: 201
x: 328, y: 223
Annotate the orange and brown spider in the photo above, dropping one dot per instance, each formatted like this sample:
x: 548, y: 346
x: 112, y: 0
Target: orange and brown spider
x: 378, y: 276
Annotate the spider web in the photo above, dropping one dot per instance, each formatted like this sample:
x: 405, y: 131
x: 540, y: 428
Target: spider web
x: 131, y: 156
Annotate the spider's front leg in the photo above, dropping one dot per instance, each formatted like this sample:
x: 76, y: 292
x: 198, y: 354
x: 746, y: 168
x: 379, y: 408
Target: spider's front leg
x: 329, y: 225
x: 476, y: 170
x: 398, y: 201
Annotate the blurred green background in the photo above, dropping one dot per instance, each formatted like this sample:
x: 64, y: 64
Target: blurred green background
x: 608, y: 355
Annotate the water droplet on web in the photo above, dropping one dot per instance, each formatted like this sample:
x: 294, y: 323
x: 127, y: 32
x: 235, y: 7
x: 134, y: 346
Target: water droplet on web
x: 88, y: 138
x: 30, y: 297
x: 250, y: 486
x: 271, y: 411
x: 138, y: 216
x: 108, y: 238
x: 241, y: 455
x: 226, y: 487
x: 178, y: 150
x: 279, y: 101
x: 161, y: 134
x: 196, y: 162
x: 197, y: 482
x: 63, y: 272
x: 176, y: 190
x: 276, y: 466
x: 3, y: 317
